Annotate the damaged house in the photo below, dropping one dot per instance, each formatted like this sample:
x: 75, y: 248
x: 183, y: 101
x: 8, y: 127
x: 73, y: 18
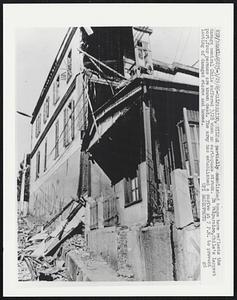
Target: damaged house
x: 120, y: 130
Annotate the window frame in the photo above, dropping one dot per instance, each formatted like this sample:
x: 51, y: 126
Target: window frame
x: 56, y: 87
x: 38, y: 125
x: 56, y: 139
x: 69, y: 65
x: 45, y: 154
x: 66, y: 141
x: 46, y: 110
x: 72, y: 119
x: 128, y: 189
x: 37, y: 165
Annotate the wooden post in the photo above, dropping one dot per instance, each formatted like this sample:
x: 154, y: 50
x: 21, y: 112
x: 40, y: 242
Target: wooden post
x: 148, y: 150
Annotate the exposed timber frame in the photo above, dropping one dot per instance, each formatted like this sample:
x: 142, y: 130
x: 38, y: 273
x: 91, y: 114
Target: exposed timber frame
x: 152, y: 191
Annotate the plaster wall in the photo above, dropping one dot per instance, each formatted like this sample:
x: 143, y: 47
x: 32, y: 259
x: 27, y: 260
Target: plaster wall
x: 136, y: 213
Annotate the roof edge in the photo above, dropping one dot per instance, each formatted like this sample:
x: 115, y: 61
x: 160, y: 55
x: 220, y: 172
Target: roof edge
x: 58, y: 58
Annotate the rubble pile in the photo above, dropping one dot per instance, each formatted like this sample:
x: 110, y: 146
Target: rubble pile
x: 40, y: 248
x: 43, y: 248
x: 24, y: 230
x: 76, y: 242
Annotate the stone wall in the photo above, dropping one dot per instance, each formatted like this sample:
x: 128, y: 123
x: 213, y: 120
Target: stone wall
x: 104, y: 242
x: 146, y: 253
x: 156, y: 245
x: 187, y: 253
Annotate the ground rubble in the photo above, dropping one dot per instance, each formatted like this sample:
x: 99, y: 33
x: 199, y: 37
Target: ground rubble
x: 40, y: 245
x: 42, y: 250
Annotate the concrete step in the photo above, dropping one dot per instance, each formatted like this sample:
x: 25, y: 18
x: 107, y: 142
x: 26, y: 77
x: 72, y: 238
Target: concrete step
x: 87, y: 269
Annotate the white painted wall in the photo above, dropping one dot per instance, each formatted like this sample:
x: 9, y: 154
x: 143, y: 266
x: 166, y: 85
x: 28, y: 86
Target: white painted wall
x: 136, y: 213
x: 63, y: 171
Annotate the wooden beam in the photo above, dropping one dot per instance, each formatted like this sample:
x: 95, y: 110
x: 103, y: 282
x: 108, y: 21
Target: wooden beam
x: 148, y: 149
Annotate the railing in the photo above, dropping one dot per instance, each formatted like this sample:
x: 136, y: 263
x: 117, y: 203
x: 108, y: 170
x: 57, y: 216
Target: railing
x: 110, y: 214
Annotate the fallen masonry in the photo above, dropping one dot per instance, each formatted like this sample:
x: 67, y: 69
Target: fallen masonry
x: 59, y: 253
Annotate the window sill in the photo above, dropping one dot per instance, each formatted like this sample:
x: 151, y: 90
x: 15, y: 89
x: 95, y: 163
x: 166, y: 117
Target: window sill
x: 132, y: 203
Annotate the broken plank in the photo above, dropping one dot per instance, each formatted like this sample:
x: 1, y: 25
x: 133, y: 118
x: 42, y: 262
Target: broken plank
x: 31, y: 269
x: 58, y: 215
x: 39, y: 236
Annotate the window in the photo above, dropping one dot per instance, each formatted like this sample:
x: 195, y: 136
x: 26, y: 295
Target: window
x: 65, y: 127
x: 38, y: 125
x: 132, y: 188
x: 46, y: 110
x: 72, y: 119
x: 56, y: 139
x: 37, y: 164
x: 45, y: 155
x: 69, y: 123
x: 69, y: 65
x: 56, y: 94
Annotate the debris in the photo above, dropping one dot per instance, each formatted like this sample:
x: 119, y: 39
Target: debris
x: 60, y: 263
x: 39, y: 249
x: 46, y: 277
x: 31, y: 268
x: 58, y: 215
x: 39, y: 236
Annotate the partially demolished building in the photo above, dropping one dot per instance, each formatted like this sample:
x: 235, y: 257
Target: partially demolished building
x: 121, y: 131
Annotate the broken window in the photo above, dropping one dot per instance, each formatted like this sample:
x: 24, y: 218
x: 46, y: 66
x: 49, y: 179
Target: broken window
x: 69, y: 65
x: 56, y: 139
x: 37, y: 164
x: 132, y: 188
